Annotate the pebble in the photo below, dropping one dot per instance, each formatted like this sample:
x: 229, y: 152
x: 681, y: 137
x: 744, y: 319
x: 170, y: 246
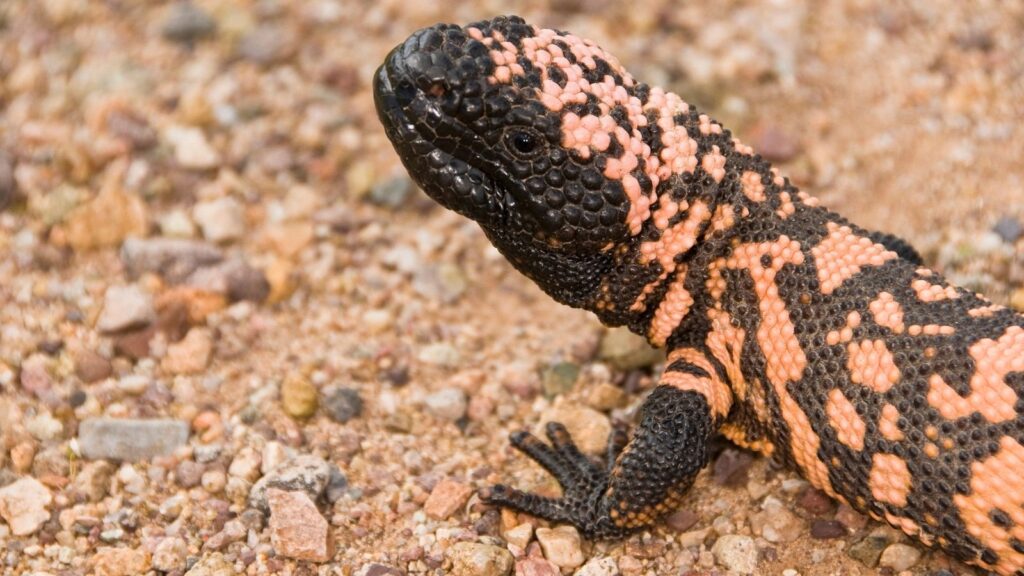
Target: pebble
x: 390, y: 193
x: 187, y: 23
x: 630, y: 566
x: 119, y: 562
x: 869, y: 550
x: 94, y: 480
x: 191, y: 355
x: 1009, y: 229
x: 192, y: 151
x: 899, y: 557
x: 850, y: 517
x: 626, y: 351
x: 125, y: 308
x: 439, y: 354
x: 35, y: 375
x: 606, y: 396
x: 588, y: 427
x: 736, y: 553
x: 682, y: 520
x: 448, y: 404
x: 598, y: 567
x: 212, y: 565
x: 773, y: 143
x: 174, y: 259
x: 7, y: 182
x: 246, y: 464
x: 559, y: 378
x: 213, y: 481
x: 297, y: 529
x: 170, y: 554
x: 299, y: 397
x: 91, y: 367
x: 306, y: 473
x: 536, y: 567
x: 221, y: 220
x: 107, y: 219
x: 731, y: 467
x: 476, y: 559
x: 267, y: 44
x: 520, y: 536
x: 561, y: 545
x: 130, y: 440
x: 342, y: 404
x: 44, y: 427
x: 375, y: 569
x: 446, y: 498
x: 189, y: 474
x: 816, y: 502
x: 775, y: 523
x: 827, y: 529
x: 24, y: 505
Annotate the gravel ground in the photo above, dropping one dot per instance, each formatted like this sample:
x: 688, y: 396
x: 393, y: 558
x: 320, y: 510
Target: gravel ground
x: 234, y: 338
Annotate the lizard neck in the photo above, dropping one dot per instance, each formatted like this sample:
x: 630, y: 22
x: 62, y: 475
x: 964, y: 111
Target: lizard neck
x: 722, y: 189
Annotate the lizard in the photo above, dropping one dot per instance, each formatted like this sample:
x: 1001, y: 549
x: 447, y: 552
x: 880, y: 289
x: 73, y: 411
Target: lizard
x: 789, y: 330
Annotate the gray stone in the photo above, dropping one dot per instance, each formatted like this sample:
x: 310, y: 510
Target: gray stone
x: 130, y: 440
x: 305, y: 473
x: 1009, y: 229
x: 449, y: 404
x: 187, y: 23
x: 390, y: 193
x: 174, y: 259
x: 342, y: 404
x: 559, y: 378
x: 125, y: 308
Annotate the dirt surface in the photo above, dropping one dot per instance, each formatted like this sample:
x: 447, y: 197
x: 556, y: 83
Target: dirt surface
x: 206, y: 236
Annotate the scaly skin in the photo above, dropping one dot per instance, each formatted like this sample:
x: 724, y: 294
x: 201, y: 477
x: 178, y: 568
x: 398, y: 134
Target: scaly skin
x: 790, y: 330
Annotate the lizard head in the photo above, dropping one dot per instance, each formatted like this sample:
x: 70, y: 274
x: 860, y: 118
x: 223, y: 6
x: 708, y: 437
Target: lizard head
x: 529, y: 132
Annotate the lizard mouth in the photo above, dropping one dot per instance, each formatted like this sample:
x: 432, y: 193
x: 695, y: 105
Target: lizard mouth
x: 439, y: 152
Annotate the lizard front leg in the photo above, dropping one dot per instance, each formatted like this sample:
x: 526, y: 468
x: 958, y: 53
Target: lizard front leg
x: 644, y: 478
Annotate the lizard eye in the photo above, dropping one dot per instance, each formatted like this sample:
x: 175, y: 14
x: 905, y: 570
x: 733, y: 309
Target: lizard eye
x: 523, y: 142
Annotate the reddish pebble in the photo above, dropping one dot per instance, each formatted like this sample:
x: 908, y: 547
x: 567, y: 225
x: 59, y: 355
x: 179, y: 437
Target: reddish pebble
x: 850, y: 518
x: 447, y: 497
x: 827, y: 529
x: 681, y: 520
x: 816, y: 502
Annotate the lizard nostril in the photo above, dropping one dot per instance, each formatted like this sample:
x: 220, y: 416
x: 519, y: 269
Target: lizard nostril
x: 436, y: 89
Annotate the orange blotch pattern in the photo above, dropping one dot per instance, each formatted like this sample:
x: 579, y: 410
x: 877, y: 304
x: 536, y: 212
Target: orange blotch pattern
x: 844, y: 334
x: 842, y: 255
x: 871, y: 363
x: 716, y: 392
x: 996, y: 484
x: 671, y: 311
x: 843, y: 418
x: 887, y: 312
x: 990, y: 395
x: 890, y: 479
x: 888, y: 423
x: 928, y: 292
x: 753, y: 188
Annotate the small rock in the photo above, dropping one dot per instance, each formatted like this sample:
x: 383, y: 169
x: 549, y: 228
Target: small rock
x: 439, y: 354
x: 337, y: 485
x: 187, y: 23
x: 192, y: 151
x: 177, y: 224
x: 773, y: 143
x: 625, y: 350
x: 246, y: 464
x: 7, y: 183
x: 212, y: 565
x: 174, y: 259
x: 391, y: 193
x: 775, y: 523
x: 297, y: 530
x: 736, y: 553
x: 170, y: 554
x: 731, y: 467
x: 119, y: 562
x: 449, y: 404
x: 475, y: 559
x: 35, y: 375
x: 107, y: 219
x: 559, y: 378
x: 446, y: 498
x: 598, y: 567
x: 24, y: 505
x: 342, y: 404
x: 91, y: 367
x: 851, y: 518
x: 298, y: 396
x: 130, y: 440
x: 221, y: 220
x: 588, y: 427
x: 561, y: 546
x: 535, y: 567
x: 1009, y: 229
x: 94, y: 480
x: 44, y: 427
x: 125, y: 308
x: 191, y: 355
x: 899, y: 557
x: 869, y: 550
x: 520, y: 536
x: 189, y: 474
x: 827, y: 529
x: 213, y: 481
x: 267, y: 44
x: 131, y: 127
x: 630, y: 566
x: 816, y: 502
x: 379, y: 570
x: 306, y: 472
x: 682, y: 520
x: 234, y: 531
x: 606, y: 396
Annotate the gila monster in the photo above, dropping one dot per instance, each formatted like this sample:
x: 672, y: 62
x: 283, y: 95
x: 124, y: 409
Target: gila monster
x: 789, y: 330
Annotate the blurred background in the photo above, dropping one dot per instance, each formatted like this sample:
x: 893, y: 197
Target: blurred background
x: 203, y: 223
